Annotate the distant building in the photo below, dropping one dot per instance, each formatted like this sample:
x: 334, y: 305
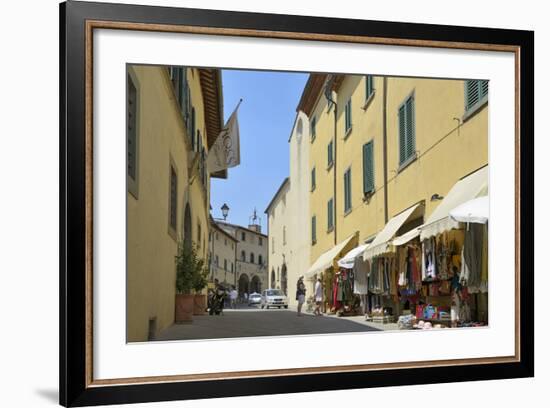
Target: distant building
x: 288, y: 216
x: 251, y: 257
x: 278, y: 224
x: 222, y: 257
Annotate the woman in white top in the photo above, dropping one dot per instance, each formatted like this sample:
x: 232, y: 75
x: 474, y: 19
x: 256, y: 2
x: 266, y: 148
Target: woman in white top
x: 318, y: 297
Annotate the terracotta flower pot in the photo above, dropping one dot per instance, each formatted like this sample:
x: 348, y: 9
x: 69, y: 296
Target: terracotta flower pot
x: 184, y: 308
x: 199, y: 307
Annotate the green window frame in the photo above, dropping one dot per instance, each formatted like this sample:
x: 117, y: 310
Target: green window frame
x: 368, y: 168
x: 330, y: 214
x: 313, y: 179
x: 330, y: 154
x: 407, y: 136
x: 369, y: 86
x: 347, y: 121
x: 313, y: 230
x: 475, y: 93
x: 313, y: 128
x: 347, y: 191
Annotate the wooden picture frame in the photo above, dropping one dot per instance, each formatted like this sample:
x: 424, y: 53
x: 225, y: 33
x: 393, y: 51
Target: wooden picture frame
x: 78, y: 20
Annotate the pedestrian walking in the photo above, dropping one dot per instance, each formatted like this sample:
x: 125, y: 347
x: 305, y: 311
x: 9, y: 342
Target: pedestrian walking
x: 318, y: 293
x: 300, y: 294
x: 233, y: 296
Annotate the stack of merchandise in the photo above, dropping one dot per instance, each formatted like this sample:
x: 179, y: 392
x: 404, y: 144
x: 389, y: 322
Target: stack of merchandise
x: 406, y: 322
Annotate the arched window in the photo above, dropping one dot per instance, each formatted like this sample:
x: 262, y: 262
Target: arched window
x: 243, y: 256
x: 251, y: 257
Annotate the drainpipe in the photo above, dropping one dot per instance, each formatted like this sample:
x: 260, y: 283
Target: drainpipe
x: 385, y: 146
x: 334, y: 168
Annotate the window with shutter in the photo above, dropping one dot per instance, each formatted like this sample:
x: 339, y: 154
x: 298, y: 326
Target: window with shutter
x: 313, y: 179
x: 330, y: 214
x: 330, y: 153
x: 475, y: 93
x: 192, y: 130
x: 347, y: 190
x: 173, y: 198
x: 407, y: 138
x: 313, y: 128
x: 369, y: 83
x: 131, y: 130
x: 368, y: 168
x: 313, y: 230
x: 347, y: 111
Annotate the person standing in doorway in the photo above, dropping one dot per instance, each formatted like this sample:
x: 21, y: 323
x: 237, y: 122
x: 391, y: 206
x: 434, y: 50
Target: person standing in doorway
x: 300, y: 294
x: 318, y: 293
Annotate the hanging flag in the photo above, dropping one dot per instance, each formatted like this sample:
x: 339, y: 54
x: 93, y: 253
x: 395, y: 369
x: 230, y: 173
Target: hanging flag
x: 225, y: 152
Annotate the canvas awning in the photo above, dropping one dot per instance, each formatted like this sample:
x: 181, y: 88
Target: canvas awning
x: 327, y: 259
x: 467, y: 188
x: 476, y: 211
x: 382, y: 242
x: 406, y: 237
x: 348, y: 261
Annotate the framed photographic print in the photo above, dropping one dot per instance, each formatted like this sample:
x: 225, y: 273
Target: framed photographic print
x: 256, y: 204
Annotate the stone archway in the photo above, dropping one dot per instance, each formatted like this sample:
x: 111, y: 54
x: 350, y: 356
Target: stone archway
x: 255, y: 285
x: 284, y: 281
x: 243, y: 284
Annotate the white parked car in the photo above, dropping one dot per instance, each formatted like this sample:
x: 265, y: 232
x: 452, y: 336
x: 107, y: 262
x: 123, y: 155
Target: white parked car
x: 254, y: 299
x: 274, y: 298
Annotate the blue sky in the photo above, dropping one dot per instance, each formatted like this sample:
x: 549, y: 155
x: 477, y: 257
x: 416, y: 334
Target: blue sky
x: 266, y: 116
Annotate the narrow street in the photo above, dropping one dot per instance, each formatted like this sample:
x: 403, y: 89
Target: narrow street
x: 253, y: 322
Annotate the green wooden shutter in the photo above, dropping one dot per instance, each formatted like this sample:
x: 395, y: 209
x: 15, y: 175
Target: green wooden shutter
x: 368, y: 168
x: 471, y: 93
x: 313, y: 229
x: 330, y: 214
x: 131, y: 134
x: 484, y: 85
x: 347, y: 190
x: 348, y: 115
x: 369, y: 86
x: 330, y: 151
x: 313, y: 181
x: 313, y: 128
x: 173, y: 198
x: 402, y: 135
x: 410, y: 128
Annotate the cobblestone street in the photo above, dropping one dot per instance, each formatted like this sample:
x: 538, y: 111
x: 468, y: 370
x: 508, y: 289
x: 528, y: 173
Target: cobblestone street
x: 253, y: 322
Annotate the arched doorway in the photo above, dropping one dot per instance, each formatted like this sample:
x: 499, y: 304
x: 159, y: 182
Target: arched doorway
x: 272, y: 285
x: 187, y: 228
x: 284, y: 283
x: 244, y: 285
x: 255, y: 285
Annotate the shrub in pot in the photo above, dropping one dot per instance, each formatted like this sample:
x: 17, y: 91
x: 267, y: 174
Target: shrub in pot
x: 188, y: 266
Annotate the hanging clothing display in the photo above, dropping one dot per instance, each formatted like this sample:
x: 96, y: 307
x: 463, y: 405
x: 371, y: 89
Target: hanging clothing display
x: 472, y: 258
x: 360, y: 272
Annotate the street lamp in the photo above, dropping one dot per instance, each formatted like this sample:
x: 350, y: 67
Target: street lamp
x: 225, y: 210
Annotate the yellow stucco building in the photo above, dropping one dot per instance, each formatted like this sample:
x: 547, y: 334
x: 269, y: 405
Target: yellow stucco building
x: 174, y: 116
x: 392, y: 143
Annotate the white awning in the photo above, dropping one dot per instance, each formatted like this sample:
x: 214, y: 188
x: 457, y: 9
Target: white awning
x: 476, y: 210
x: 348, y: 261
x: 406, y: 237
x: 381, y: 243
x: 472, y: 186
x: 326, y: 259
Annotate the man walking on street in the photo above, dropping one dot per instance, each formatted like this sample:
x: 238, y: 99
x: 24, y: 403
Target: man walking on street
x: 300, y: 294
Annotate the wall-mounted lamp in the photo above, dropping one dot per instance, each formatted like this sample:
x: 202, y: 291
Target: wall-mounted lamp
x: 436, y: 197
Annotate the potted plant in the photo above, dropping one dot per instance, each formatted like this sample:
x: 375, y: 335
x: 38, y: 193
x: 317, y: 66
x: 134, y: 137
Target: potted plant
x: 188, y: 266
x: 200, y: 281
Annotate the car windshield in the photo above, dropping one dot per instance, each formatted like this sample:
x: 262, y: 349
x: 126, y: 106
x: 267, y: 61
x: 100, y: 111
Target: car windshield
x: 273, y: 292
